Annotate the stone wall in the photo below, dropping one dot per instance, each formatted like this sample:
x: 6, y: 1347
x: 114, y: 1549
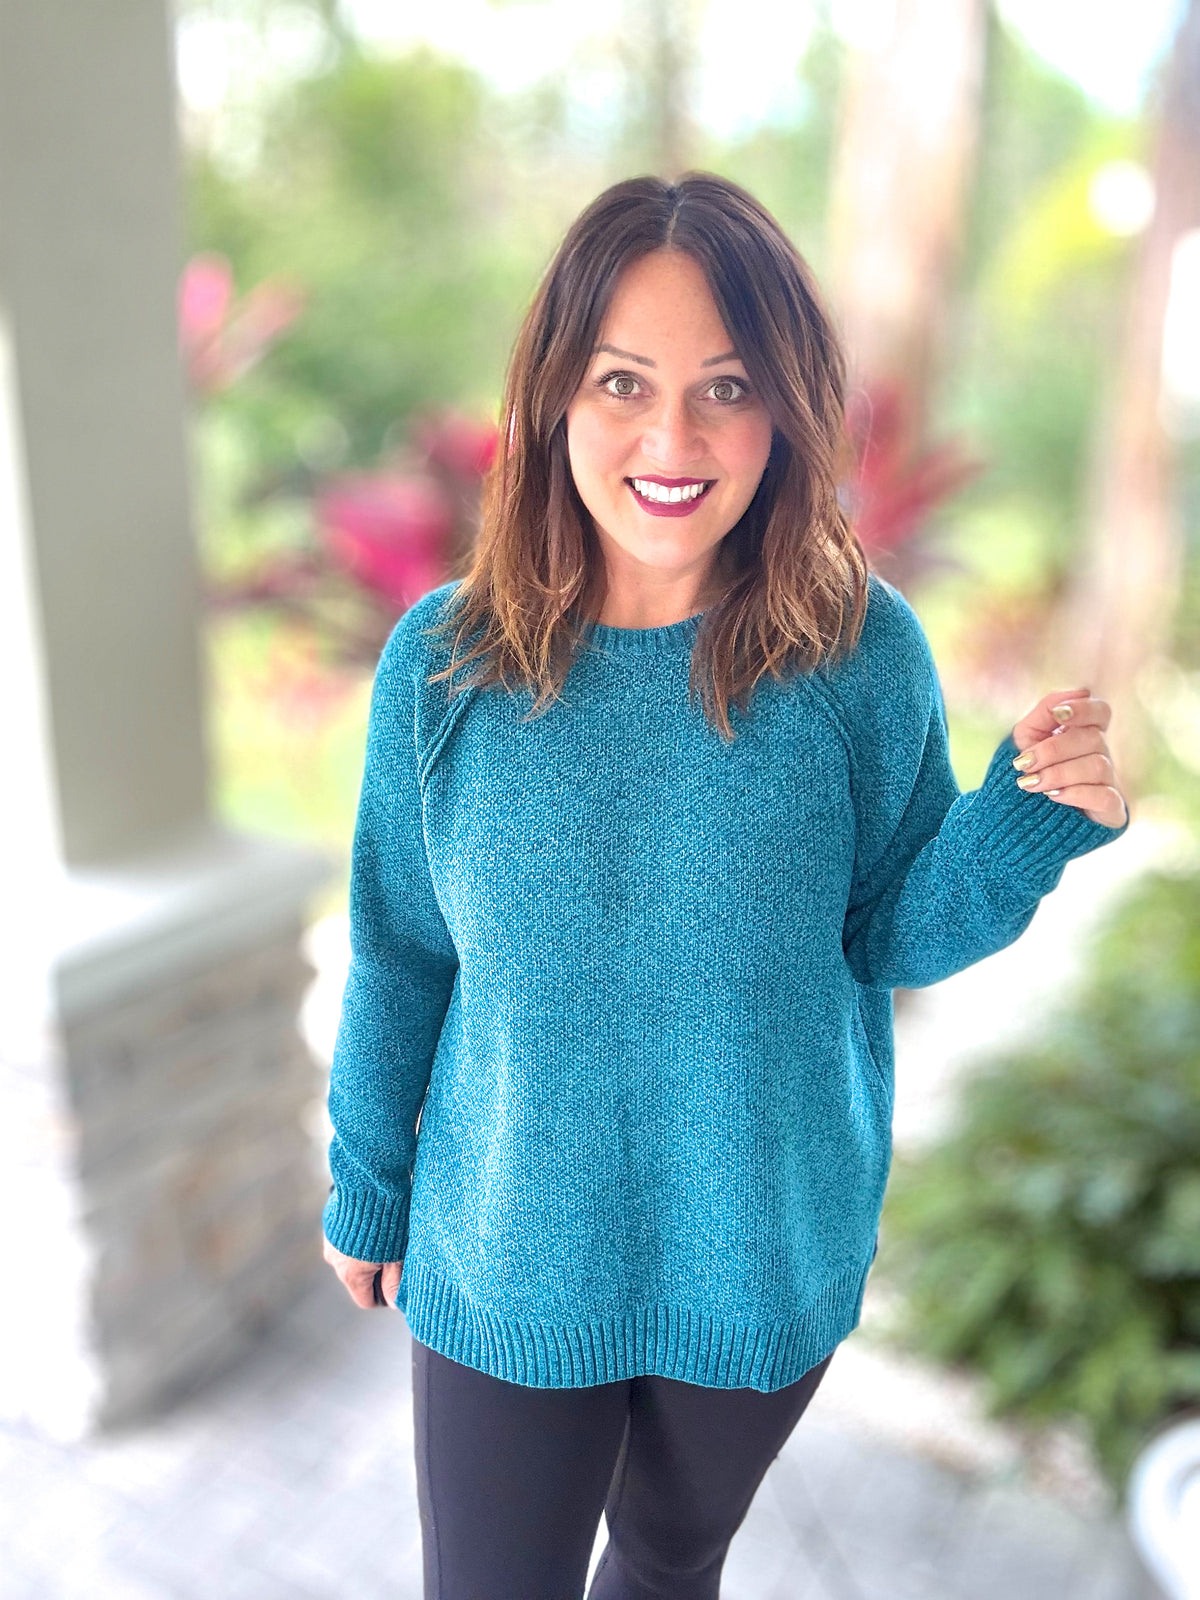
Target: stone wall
x: 200, y: 1186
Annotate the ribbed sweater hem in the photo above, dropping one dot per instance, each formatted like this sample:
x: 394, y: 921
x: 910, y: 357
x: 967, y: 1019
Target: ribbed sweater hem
x: 366, y: 1224
x: 669, y: 1340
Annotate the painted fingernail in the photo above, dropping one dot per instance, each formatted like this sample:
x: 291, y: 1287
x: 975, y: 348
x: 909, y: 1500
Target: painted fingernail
x: 1063, y: 713
x: 1030, y: 781
x: 1054, y: 792
x: 1024, y: 761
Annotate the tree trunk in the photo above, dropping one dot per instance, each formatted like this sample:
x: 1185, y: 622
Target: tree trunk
x: 906, y: 146
x: 657, y: 46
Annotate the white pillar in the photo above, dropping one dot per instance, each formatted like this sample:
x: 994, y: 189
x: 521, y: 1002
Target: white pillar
x: 160, y: 1192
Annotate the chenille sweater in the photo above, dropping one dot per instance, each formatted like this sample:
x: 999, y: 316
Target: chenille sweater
x: 614, y: 1070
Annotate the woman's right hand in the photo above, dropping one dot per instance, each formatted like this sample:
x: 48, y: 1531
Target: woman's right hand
x: 358, y: 1277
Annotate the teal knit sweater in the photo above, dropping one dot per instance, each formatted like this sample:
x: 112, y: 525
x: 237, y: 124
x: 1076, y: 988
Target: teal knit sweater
x: 634, y: 983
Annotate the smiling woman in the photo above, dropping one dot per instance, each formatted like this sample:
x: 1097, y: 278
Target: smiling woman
x: 631, y: 971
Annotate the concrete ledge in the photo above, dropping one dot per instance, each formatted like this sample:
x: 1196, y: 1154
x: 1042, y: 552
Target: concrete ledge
x: 129, y: 925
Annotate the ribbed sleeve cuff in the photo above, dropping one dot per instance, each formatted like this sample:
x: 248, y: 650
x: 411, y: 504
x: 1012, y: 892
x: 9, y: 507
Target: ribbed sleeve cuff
x: 366, y: 1223
x: 1029, y: 836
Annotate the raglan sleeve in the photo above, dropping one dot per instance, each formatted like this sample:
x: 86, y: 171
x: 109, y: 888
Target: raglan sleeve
x: 941, y: 878
x: 402, y: 969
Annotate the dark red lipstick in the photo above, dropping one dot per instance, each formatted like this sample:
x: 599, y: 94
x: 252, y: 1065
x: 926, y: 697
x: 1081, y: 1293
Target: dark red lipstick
x: 669, y: 508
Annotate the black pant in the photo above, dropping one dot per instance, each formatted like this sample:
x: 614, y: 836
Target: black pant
x: 511, y: 1481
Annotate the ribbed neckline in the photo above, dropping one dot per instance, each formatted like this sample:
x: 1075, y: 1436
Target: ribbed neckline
x: 641, y: 641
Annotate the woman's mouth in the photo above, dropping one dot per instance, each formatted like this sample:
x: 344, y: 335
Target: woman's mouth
x: 659, y: 500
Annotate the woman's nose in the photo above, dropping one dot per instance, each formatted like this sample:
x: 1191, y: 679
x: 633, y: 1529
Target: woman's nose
x: 673, y: 438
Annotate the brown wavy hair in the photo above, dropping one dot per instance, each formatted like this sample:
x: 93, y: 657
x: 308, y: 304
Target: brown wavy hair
x: 793, y: 571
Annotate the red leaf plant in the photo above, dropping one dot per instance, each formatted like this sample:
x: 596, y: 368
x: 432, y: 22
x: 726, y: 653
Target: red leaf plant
x: 894, y: 485
x: 222, y: 337
x: 389, y: 533
x: 380, y: 540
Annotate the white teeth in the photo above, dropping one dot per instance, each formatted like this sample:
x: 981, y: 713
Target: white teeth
x: 657, y: 491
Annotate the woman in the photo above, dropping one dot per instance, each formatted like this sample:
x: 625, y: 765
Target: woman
x: 657, y: 809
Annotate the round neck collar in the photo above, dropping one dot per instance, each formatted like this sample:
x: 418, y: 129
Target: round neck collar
x: 641, y: 641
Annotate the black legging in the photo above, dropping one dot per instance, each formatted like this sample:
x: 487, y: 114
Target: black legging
x: 511, y: 1481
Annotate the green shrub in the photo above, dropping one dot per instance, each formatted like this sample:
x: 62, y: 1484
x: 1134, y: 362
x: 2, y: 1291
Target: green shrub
x: 1051, y: 1241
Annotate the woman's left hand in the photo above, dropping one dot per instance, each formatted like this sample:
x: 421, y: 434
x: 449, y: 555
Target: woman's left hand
x: 1064, y: 752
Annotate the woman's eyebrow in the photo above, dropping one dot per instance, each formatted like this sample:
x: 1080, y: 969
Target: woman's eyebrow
x: 645, y: 361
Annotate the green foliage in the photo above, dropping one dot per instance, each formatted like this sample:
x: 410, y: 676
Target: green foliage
x: 288, y: 736
x: 1052, y: 1240
x: 1042, y: 292
x: 1034, y: 123
x: 384, y: 191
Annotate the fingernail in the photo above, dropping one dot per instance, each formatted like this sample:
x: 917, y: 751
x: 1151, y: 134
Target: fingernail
x: 1030, y: 781
x: 1063, y: 713
x: 1024, y: 761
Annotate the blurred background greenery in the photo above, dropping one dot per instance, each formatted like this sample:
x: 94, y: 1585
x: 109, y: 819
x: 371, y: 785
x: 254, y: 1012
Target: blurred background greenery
x: 368, y: 213
x: 409, y: 203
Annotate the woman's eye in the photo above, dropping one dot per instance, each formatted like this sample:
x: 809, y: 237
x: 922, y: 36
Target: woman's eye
x: 618, y: 377
x: 727, y: 383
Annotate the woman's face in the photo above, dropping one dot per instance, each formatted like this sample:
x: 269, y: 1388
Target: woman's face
x: 665, y: 401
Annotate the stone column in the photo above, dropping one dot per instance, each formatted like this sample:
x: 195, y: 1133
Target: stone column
x: 159, y: 1190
